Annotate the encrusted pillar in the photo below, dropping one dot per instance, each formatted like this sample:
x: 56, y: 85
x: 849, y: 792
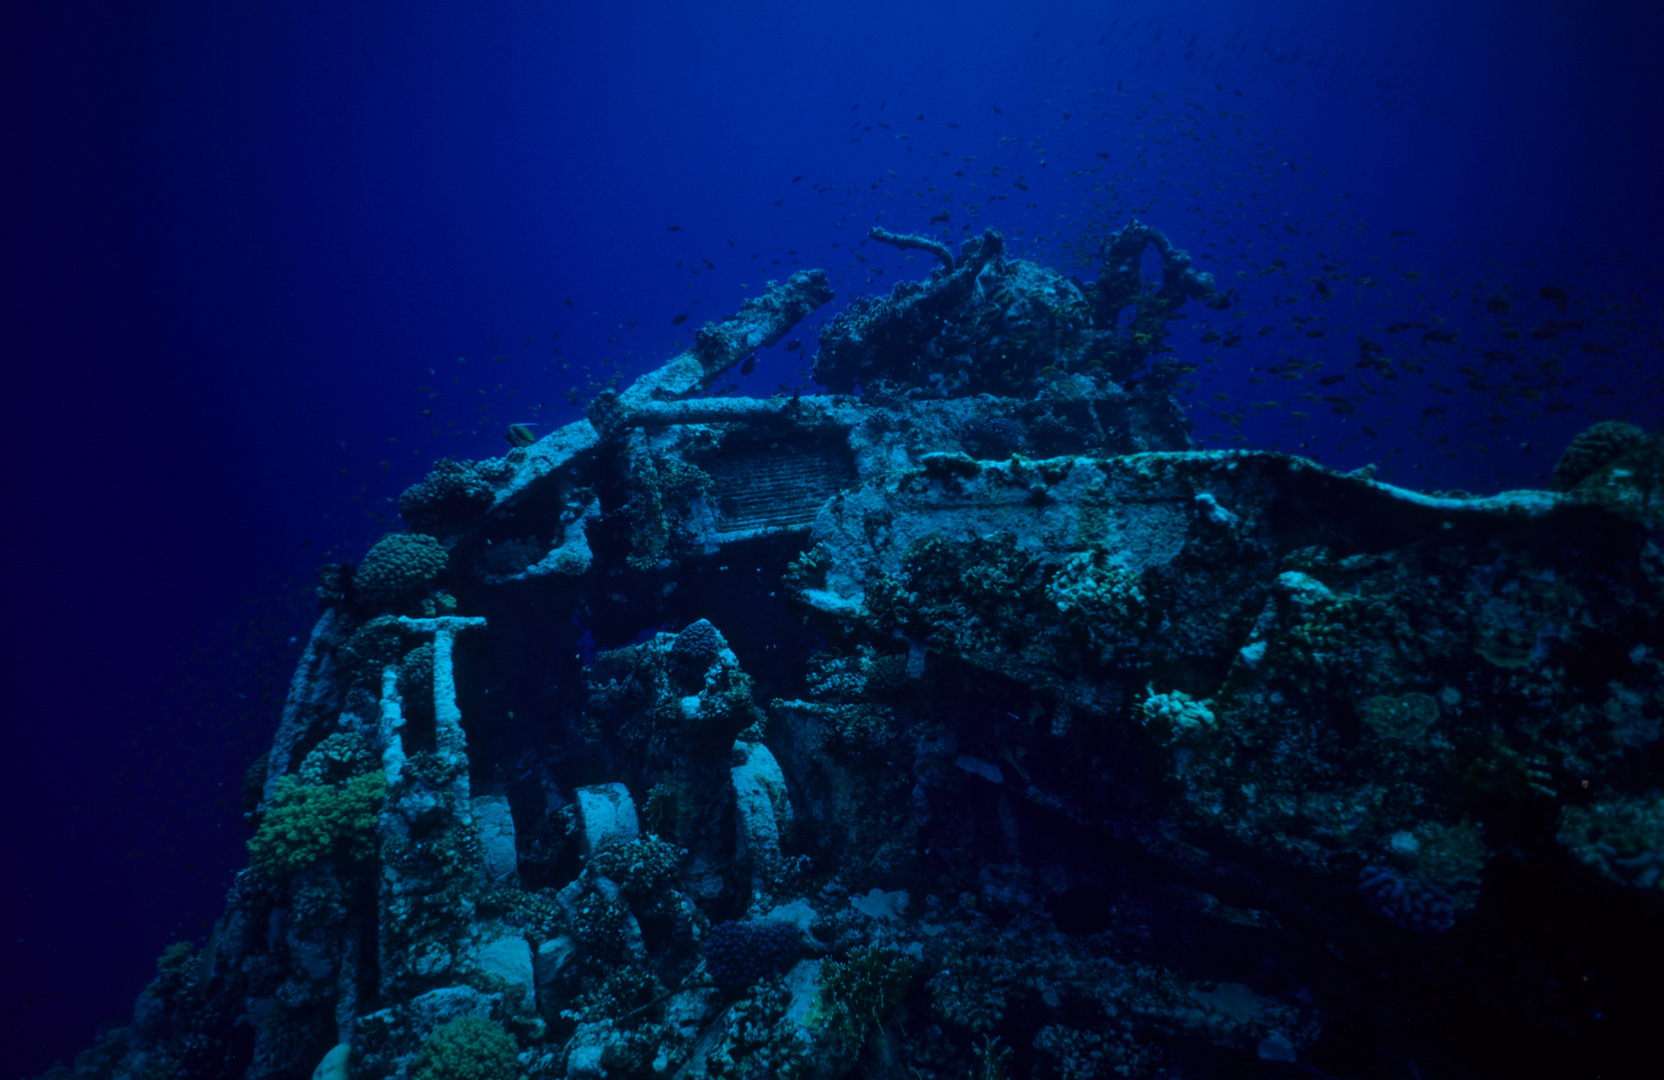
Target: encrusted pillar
x: 452, y: 742
x: 429, y: 854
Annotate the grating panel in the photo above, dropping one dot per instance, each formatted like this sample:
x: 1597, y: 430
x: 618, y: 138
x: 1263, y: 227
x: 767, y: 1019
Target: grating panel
x: 777, y: 488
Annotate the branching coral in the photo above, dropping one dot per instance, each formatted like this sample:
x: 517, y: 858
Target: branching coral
x: 468, y: 1049
x: 306, y: 824
x: 858, y: 992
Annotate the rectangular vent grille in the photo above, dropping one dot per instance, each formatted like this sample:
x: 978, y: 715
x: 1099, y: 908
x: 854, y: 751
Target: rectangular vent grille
x: 775, y: 489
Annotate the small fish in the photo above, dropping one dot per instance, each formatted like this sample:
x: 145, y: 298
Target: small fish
x: 519, y: 435
x: 1555, y: 295
x: 1497, y: 356
x: 672, y: 228
x: 1498, y: 305
x: 793, y: 346
x: 709, y: 265
x: 999, y: 110
x: 796, y: 178
x: 938, y: 219
x: 1442, y: 337
x: 679, y: 320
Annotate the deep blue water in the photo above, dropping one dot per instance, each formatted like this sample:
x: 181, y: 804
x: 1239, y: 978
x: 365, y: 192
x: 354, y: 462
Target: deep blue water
x: 247, y: 245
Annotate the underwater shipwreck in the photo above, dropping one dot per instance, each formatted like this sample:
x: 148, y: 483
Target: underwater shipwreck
x: 963, y: 721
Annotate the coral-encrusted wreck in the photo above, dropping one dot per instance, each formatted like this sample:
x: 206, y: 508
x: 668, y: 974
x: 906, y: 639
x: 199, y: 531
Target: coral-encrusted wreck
x: 973, y: 725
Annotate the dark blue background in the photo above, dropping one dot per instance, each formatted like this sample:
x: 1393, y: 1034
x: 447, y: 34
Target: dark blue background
x: 237, y: 239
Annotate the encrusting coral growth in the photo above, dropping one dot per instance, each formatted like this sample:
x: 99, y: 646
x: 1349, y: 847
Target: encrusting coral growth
x: 978, y: 725
x: 1595, y: 446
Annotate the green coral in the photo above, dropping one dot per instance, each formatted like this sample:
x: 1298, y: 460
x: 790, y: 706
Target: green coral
x: 308, y: 823
x: 398, y: 565
x: 858, y: 992
x: 468, y: 1049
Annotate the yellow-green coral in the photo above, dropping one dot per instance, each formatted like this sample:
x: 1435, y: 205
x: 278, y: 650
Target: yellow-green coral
x: 858, y: 992
x: 468, y: 1049
x: 306, y: 824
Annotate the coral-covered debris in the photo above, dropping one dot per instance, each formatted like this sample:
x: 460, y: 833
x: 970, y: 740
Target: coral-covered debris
x: 1005, y: 734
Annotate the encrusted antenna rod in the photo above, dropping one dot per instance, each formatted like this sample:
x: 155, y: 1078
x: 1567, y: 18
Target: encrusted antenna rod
x: 904, y: 241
